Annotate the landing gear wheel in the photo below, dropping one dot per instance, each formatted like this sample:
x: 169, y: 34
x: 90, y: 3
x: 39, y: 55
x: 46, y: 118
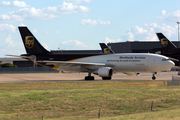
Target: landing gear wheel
x: 89, y: 78
x: 153, y: 77
x: 106, y: 78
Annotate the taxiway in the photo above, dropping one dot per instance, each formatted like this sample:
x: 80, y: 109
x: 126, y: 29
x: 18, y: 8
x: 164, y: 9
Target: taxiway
x: 78, y: 77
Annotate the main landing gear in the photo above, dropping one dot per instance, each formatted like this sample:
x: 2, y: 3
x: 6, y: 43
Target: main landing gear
x: 154, y: 77
x: 89, y: 77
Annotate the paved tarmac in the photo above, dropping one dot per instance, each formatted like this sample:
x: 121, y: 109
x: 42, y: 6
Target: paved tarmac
x: 79, y: 77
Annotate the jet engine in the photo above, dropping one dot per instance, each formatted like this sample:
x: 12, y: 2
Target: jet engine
x: 104, y: 72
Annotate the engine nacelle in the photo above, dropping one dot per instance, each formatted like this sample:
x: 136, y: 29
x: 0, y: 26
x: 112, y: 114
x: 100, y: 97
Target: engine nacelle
x: 104, y: 72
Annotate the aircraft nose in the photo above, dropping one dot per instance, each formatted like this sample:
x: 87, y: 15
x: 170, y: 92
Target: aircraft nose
x: 167, y: 64
x: 170, y: 64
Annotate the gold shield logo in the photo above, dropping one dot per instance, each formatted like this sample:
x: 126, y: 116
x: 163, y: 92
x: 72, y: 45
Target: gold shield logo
x: 164, y: 42
x: 106, y: 50
x: 29, y: 41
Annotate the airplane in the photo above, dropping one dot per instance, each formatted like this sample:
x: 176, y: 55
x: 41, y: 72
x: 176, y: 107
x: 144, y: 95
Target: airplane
x: 168, y: 49
x: 103, y: 65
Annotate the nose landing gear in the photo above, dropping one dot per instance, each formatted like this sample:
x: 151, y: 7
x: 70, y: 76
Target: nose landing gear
x: 154, y: 77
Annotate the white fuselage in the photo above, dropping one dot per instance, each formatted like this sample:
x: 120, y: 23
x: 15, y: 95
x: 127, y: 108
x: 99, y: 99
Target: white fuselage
x: 125, y: 63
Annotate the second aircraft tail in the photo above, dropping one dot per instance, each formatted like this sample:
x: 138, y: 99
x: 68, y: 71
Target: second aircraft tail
x: 105, y: 48
x: 165, y: 43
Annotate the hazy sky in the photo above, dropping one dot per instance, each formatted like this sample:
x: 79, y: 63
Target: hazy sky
x: 82, y: 24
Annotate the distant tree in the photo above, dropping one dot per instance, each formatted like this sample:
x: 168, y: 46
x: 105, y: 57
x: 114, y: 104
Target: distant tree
x: 8, y: 65
x: 15, y: 66
x: 0, y: 64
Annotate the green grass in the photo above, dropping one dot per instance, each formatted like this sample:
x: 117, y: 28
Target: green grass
x: 83, y: 100
x: 158, y: 115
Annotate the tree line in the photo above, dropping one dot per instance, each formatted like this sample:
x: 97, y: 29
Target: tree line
x: 8, y: 65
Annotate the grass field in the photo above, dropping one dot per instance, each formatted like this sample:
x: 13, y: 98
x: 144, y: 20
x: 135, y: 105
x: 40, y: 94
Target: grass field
x: 117, y: 100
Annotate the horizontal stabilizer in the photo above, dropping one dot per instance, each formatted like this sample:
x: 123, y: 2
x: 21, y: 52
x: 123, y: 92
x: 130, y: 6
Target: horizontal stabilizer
x: 32, y: 57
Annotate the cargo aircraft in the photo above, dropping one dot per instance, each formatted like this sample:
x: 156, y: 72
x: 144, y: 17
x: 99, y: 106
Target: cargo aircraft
x: 103, y: 64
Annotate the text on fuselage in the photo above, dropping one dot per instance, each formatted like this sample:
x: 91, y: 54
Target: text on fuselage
x: 127, y: 59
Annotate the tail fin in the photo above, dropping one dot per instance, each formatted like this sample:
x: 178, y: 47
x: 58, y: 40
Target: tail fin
x: 165, y: 43
x: 105, y: 48
x: 31, y: 44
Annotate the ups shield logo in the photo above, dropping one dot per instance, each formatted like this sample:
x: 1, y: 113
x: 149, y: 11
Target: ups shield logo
x: 106, y: 50
x: 29, y: 41
x: 164, y: 42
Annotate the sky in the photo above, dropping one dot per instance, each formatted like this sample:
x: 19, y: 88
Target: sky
x: 83, y: 24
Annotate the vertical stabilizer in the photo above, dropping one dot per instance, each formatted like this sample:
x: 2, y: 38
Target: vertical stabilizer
x: 105, y: 48
x: 31, y: 44
x: 165, y: 43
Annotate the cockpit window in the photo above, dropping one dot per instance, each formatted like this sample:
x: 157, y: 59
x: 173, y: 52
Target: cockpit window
x: 165, y: 59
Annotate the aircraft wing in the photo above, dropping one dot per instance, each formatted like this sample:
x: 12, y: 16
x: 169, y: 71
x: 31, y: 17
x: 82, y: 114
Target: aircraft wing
x: 83, y: 64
